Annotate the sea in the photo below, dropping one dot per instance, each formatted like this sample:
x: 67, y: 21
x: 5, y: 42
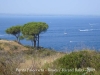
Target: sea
x: 65, y: 33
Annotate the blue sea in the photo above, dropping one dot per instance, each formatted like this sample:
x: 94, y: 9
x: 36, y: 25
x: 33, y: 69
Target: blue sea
x: 65, y: 33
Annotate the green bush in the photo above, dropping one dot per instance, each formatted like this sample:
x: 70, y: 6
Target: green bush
x: 1, y: 48
x: 15, y: 47
x: 81, y: 59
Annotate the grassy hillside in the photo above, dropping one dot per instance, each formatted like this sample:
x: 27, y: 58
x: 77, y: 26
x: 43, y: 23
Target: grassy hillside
x: 80, y: 60
x: 14, y: 55
x: 16, y: 59
x: 11, y: 46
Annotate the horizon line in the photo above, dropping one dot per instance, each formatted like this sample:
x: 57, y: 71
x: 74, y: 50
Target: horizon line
x: 30, y: 14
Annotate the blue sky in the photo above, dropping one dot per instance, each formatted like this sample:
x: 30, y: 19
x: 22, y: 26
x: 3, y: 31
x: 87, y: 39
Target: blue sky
x: 65, y: 7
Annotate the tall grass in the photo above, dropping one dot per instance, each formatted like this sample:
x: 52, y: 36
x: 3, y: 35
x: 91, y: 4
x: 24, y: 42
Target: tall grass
x: 34, y: 59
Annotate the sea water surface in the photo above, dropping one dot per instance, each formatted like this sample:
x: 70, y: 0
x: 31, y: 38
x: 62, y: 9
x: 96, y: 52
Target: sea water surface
x: 65, y: 33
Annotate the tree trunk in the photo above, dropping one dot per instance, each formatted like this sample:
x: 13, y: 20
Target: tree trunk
x: 17, y: 39
x: 35, y: 43
x: 17, y: 36
x: 34, y: 40
x: 38, y: 41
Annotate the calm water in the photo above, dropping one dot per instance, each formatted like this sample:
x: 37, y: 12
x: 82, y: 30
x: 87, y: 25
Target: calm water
x: 64, y: 33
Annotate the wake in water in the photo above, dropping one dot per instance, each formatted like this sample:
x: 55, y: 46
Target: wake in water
x: 93, y: 23
x: 84, y: 30
x: 73, y: 41
x: 88, y: 29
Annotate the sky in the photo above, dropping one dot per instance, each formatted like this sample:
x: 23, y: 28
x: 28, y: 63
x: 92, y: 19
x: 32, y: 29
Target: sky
x: 64, y: 7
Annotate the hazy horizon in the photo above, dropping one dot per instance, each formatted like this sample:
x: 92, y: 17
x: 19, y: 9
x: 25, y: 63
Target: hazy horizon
x: 18, y: 14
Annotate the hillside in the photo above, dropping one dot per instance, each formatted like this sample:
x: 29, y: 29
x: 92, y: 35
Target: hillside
x: 14, y: 55
x: 86, y: 61
x: 11, y: 46
x: 16, y: 58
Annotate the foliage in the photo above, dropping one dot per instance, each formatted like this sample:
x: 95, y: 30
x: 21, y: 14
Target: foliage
x: 15, y: 47
x: 1, y: 48
x: 14, y: 30
x: 9, y: 62
x: 30, y: 31
x: 70, y: 73
x: 79, y: 60
x: 82, y: 59
x: 21, y: 37
x: 33, y: 29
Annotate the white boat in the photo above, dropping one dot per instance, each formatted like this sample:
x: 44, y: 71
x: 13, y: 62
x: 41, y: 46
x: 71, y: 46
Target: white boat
x: 65, y: 33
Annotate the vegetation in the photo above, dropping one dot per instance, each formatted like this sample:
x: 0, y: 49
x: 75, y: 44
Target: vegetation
x: 81, y: 60
x: 16, y: 59
x: 14, y: 30
x: 11, y: 46
x: 32, y: 30
x: 10, y: 62
x: 14, y: 56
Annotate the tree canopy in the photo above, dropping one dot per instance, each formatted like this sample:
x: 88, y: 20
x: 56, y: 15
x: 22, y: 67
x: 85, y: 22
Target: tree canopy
x: 30, y: 31
x: 34, y: 29
x: 14, y: 30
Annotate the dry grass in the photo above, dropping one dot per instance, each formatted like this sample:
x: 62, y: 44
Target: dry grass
x: 14, y: 55
x: 11, y: 46
x: 38, y: 62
